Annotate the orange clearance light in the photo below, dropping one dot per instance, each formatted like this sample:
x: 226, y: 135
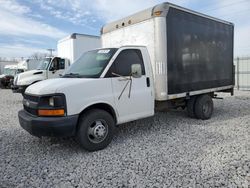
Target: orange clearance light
x: 157, y: 13
x: 58, y: 112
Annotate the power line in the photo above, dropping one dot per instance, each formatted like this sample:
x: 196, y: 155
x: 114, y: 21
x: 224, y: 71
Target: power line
x: 231, y: 15
x: 228, y: 5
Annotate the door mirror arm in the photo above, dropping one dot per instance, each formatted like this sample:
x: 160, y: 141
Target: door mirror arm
x: 124, y: 78
x: 129, y: 81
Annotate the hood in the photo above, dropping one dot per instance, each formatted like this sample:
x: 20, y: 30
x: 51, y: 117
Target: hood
x: 55, y: 85
x: 29, y: 73
x: 29, y: 77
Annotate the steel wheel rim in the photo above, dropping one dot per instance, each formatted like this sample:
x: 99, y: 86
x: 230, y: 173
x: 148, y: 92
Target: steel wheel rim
x: 98, y: 131
x: 205, y: 107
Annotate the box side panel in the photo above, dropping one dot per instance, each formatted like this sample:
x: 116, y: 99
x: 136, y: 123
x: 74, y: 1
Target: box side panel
x: 32, y: 64
x: 83, y: 44
x: 140, y: 34
x: 65, y: 49
x: 200, y: 52
x: 147, y: 33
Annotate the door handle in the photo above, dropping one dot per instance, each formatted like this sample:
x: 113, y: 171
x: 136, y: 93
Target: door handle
x: 148, y: 82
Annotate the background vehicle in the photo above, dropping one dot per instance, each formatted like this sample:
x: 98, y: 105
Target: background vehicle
x: 69, y: 49
x: 50, y: 67
x: 4, y: 63
x: 10, y: 71
x: 163, y: 57
x: 30, y: 64
x: 73, y: 46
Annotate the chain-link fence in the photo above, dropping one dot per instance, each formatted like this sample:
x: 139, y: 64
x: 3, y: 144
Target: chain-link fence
x: 242, y: 73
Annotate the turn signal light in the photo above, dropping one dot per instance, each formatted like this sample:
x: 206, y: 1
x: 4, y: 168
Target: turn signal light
x: 58, y: 112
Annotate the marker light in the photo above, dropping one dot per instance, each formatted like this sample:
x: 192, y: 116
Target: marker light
x: 157, y: 13
x: 57, y: 112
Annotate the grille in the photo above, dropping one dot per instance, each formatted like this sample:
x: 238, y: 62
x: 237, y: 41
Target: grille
x: 31, y: 99
x: 30, y: 110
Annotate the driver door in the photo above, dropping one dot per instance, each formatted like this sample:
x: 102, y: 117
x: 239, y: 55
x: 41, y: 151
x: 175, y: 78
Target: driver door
x: 132, y: 96
x: 56, y: 68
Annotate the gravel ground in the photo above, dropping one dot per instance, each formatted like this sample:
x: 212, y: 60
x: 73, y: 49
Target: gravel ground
x: 168, y: 150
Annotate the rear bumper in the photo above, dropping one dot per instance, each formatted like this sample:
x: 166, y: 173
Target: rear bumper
x: 48, y: 126
x: 18, y: 89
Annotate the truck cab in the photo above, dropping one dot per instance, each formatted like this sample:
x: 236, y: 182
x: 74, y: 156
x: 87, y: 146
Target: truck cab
x: 103, y: 88
x: 50, y: 67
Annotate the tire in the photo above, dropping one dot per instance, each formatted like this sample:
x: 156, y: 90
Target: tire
x: 204, y: 107
x: 95, y: 130
x: 191, y: 106
x: 9, y: 85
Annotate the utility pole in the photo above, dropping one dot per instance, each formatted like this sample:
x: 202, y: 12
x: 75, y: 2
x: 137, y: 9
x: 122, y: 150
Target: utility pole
x: 51, y: 50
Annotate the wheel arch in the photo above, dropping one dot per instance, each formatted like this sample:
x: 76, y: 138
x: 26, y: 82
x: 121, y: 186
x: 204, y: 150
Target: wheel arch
x: 35, y: 82
x: 102, y: 106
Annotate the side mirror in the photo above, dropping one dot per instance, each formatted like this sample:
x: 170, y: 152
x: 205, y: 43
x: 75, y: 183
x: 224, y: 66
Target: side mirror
x: 136, y: 70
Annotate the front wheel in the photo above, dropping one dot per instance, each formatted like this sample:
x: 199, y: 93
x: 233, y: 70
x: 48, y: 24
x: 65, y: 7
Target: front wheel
x: 96, y: 130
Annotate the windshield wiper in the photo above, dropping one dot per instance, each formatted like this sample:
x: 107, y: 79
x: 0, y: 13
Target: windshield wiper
x: 72, y: 75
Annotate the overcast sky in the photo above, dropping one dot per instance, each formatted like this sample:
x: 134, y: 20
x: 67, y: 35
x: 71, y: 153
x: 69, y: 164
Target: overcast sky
x: 28, y: 26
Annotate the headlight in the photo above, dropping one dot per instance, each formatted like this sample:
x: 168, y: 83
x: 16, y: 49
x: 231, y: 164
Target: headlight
x: 52, y: 105
x: 51, y: 101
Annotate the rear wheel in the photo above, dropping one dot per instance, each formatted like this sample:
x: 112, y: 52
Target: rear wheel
x: 191, y: 106
x: 204, y: 107
x: 96, y: 130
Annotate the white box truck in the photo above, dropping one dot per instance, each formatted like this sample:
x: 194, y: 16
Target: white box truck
x: 165, y: 56
x: 73, y: 46
x: 69, y: 49
x: 30, y: 64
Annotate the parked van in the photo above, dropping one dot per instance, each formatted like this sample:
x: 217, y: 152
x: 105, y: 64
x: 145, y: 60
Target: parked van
x: 164, y: 57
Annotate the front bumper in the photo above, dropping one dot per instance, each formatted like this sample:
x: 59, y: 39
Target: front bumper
x: 48, y: 126
x: 18, y: 89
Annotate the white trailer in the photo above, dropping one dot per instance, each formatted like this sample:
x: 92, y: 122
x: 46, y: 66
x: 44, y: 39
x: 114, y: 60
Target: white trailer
x: 73, y: 46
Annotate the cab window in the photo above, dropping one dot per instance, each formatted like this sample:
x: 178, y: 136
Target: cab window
x: 124, y: 61
x: 61, y: 64
x: 57, y: 64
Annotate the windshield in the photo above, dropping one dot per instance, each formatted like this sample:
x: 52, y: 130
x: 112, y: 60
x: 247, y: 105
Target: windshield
x: 9, y: 72
x: 91, y: 64
x: 43, y: 64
